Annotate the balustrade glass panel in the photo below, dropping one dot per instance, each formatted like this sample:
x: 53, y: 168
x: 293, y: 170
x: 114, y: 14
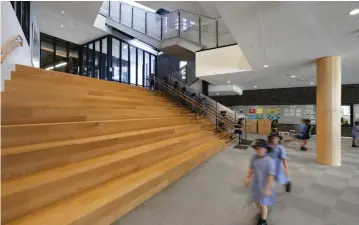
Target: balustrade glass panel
x: 104, y: 10
x: 115, y: 10
x: 189, y: 26
x: 139, y: 19
x: 224, y: 36
x: 208, y: 32
x: 153, y: 23
x: 126, y: 14
x: 73, y: 59
x: 170, y: 24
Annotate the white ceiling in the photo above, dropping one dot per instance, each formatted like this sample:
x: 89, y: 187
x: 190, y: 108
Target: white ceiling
x: 289, y: 36
x: 77, y: 20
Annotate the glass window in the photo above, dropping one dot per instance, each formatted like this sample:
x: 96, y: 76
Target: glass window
x: 47, y: 52
x: 61, y: 56
x: 124, y: 64
x: 153, y: 64
x: 73, y: 59
x: 97, y: 60
x: 147, y: 69
x: 90, y: 60
x: 345, y: 115
x: 133, y: 65
x: 115, y: 10
x: 115, y: 59
x: 84, y: 60
x: 139, y: 67
x: 104, y: 60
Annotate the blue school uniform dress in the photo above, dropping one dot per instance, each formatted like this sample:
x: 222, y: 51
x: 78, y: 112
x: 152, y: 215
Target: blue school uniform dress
x: 278, y: 154
x: 355, y: 132
x: 262, y: 167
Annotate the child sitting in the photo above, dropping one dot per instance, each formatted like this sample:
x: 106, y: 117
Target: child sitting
x: 260, y: 177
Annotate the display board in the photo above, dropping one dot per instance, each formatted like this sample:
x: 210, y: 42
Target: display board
x: 285, y: 114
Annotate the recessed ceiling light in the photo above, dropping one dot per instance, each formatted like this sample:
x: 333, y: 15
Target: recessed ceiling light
x: 217, y: 93
x: 125, y: 46
x: 354, y: 12
x: 62, y: 25
x: 293, y: 76
x: 311, y: 82
x: 62, y: 12
x: 228, y: 82
x: 255, y: 86
x: 265, y: 66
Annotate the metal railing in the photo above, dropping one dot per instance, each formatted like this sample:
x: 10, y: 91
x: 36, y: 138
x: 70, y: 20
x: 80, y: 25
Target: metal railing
x: 205, y: 31
x: 10, y: 46
x: 222, y: 123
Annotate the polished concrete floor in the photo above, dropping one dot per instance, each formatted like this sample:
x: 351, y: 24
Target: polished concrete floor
x: 214, y: 194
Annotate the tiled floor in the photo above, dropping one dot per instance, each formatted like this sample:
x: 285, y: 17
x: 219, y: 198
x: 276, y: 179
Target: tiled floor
x: 213, y: 194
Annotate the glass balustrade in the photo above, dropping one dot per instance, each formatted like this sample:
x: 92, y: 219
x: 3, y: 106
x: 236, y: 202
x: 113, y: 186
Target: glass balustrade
x: 209, y: 32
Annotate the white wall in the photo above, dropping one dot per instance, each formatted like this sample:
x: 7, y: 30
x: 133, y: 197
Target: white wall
x: 10, y: 27
x: 221, y: 61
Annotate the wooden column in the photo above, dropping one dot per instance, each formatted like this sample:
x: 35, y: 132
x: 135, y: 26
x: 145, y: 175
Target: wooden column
x: 328, y: 111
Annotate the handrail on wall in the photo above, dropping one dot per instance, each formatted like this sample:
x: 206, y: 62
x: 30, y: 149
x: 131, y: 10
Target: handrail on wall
x: 10, y: 46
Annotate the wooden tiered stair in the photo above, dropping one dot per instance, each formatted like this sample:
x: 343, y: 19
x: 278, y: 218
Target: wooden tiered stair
x: 82, y: 151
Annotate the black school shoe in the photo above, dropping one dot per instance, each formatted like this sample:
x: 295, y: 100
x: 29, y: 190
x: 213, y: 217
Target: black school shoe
x: 262, y: 222
x: 288, y: 186
x: 303, y: 148
x: 355, y: 146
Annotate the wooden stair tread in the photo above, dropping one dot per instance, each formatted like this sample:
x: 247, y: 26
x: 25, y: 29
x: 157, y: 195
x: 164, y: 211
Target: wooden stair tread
x: 91, y: 200
x: 41, y: 146
x: 43, y: 177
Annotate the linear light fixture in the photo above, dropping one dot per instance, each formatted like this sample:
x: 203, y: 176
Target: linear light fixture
x: 354, y: 12
x: 56, y: 66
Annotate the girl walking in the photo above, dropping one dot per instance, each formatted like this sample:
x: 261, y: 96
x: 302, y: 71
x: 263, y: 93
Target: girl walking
x: 260, y: 178
x: 277, y: 152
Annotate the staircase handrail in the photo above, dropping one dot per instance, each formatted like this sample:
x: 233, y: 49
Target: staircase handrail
x: 171, y: 77
x: 10, y: 46
x: 218, y: 116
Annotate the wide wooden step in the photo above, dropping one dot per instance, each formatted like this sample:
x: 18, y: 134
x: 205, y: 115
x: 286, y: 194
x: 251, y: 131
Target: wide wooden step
x: 39, y: 97
x: 17, y: 194
x: 22, y: 81
x: 22, y: 160
x: 106, y: 202
x: 66, y: 78
x: 18, y: 135
x: 12, y: 116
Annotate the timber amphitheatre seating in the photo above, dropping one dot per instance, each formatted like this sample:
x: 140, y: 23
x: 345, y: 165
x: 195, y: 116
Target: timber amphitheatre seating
x: 82, y: 151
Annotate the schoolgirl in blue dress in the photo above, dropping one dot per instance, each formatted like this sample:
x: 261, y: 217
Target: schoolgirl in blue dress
x: 260, y: 178
x: 277, y: 152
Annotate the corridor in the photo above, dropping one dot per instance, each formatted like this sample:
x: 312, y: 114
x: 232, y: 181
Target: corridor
x: 214, y: 194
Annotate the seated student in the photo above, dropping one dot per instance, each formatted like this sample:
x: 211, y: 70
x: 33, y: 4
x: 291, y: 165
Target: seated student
x: 355, y: 133
x: 260, y: 176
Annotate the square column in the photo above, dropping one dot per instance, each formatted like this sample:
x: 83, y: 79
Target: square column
x: 328, y: 110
